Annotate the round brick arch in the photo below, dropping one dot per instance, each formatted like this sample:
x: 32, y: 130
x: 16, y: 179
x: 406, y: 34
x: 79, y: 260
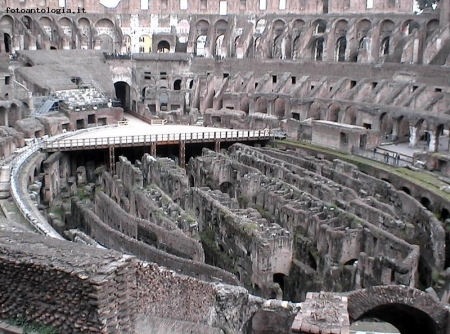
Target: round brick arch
x: 409, y: 310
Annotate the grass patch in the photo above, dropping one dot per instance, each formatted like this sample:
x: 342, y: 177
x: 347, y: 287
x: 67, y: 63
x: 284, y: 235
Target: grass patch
x: 29, y: 328
x: 422, y: 178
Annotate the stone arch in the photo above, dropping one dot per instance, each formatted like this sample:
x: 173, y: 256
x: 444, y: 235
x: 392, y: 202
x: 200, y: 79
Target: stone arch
x: 126, y: 43
x: 104, y: 23
x: 422, y: 130
x: 386, y: 123
x: 298, y: 25
x: 425, y: 201
x: 244, y: 104
x: 177, y: 84
x: 401, y: 128
x: 340, y: 27
x: 266, y: 322
x: 105, y: 42
x: 202, y: 27
x: 163, y: 47
x: 260, y: 26
x: 14, y: 114
x: 278, y: 27
x: 122, y: 89
x: 200, y: 50
x: 318, y: 48
x: 163, y: 101
x: 84, y: 25
x: 27, y: 21
x: 220, y: 27
x: 319, y: 26
x: 3, y: 116
x: 227, y: 188
x: 280, y: 108
x: 183, y: 28
x: 218, y: 46
x: 406, y: 190
x: 314, y: 110
x: 66, y: 25
x: 341, y: 47
x: 350, y: 116
x: 387, y: 27
x: 409, y: 26
x: 261, y: 105
x: 333, y: 113
x: 363, y: 27
x: 431, y: 27
x: 408, y: 309
x: 385, y: 46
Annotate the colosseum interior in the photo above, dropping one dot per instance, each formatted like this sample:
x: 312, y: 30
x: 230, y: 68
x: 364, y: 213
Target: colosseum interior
x: 314, y: 198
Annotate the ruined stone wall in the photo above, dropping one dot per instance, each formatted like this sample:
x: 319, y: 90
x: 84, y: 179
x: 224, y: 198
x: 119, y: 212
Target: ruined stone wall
x: 257, y: 250
x: 111, y: 238
x: 56, y: 170
x: 76, y: 293
x: 174, y: 242
x: 166, y: 175
x: 320, y: 228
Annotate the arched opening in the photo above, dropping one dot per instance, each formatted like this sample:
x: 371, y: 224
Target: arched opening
x: 261, y: 105
x: 386, y: 124
x: 266, y: 322
x: 314, y: 111
x: 26, y: 20
x: 312, y: 261
x: 123, y: 94
x: 177, y: 84
x: 409, y: 26
x: 385, y: 46
x: 227, y: 188
x: 445, y: 214
x: 163, y: 101
x: 105, y: 42
x: 350, y: 116
x: 244, y: 104
x: 279, y: 278
x: 425, y: 202
x: 432, y: 26
x: 351, y: 262
x: 341, y: 46
x: 318, y: 49
x: 191, y: 181
x: 320, y: 26
x: 163, y: 47
x: 407, y: 319
x: 53, y: 48
x: 7, y: 41
x: 406, y: 190
x: 279, y: 107
x: 333, y: 113
x: 200, y: 46
x: 218, y: 48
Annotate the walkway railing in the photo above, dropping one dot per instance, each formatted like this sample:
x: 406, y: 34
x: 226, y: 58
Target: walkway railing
x: 19, y: 192
x: 148, y: 139
x: 384, y: 156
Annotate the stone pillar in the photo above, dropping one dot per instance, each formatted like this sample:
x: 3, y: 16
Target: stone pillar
x: 395, y: 127
x: 412, y: 136
x: 6, y: 118
x: 153, y: 149
x: 182, y: 154
x: 434, y: 141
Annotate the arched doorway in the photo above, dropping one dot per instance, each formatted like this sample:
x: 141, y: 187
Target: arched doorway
x: 407, y: 319
x: 123, y: 94
x: 341, y: 46
x: 7, y: 40
x: 318, y: 49
x: 163, y: 47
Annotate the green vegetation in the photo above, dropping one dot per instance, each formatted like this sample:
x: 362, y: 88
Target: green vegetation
x: 421, y: 178
x: 31, y: 328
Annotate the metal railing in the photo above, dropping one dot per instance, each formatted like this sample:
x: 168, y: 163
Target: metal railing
x: 384, y: 156
x: 148, y: 139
